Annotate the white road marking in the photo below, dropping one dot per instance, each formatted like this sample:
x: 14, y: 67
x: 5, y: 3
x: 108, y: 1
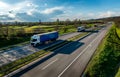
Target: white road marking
x: 78, y: 56
x: 49, y: 64
x: 90, y: 45
x: 89, y: 37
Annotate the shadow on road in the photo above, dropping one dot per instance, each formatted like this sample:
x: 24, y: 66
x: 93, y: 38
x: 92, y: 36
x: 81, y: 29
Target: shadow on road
x: 92, y: 31
x: 68, y: 49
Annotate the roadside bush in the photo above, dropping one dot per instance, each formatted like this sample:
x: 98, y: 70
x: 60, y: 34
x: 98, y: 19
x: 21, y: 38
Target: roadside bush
x: 106, y: 62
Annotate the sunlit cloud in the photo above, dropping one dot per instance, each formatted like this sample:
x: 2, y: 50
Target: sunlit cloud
x: 51, y: 10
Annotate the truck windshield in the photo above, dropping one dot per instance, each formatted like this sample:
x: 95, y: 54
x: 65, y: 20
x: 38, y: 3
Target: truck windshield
x: 33, y: 40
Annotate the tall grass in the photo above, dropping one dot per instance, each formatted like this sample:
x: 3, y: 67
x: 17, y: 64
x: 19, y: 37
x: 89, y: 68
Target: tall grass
x: 118, y: 31
x: 107, y: 57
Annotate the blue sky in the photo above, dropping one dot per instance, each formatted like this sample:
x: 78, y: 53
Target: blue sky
x: 50, y: 10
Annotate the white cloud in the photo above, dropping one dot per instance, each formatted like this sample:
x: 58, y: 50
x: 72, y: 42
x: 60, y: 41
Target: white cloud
x: 12, y: 15
x: 27, y: 10
x: 24, y: 6
x: 51, y: 10
x: 31, y: 11
x: 68, y: 16
x: 11, y: 10
x: 107, y: 14
x: 4, y: 7
x: 84, y: 16
x: 91, y: 14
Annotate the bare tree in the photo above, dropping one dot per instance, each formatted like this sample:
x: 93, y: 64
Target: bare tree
x: 21, y: 32
x: 6, y: 31
x: 117, y: 22
x: 40, y: 21
x: 79, y: 22
x: 65, y: 28
x: 67, y: 22
x: 1, y: 30
x: 57, y: 25
x: 75, y: 23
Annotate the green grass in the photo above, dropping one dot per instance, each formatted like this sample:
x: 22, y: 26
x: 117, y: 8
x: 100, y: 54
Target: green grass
x: 16, y: 27
x: 69, y: 29
x: 118, y: 31
x: 78, y: 36
x: 31, y: 29
x: 9, y: 43
x: 91, y: 25
x: 95, y: 58
x: 21, y: 62
x: 5, y: 69
x: 106, y: 58
x: 28, y: 32
x: 118, y: 73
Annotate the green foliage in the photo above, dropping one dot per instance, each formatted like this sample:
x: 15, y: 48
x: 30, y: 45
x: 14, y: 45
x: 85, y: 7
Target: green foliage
x: 67, y: 29
x: 118, y: 74
x: 22, y: 34
x: 89, y: 26
x: 118, y: 31
x: 7, y: 42
x: 5, y: 69
x: 105, y: 63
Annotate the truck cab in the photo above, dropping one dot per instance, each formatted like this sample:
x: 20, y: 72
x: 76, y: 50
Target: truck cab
x: 35, y: 40
x: 80, y: 29
x: 43, y: 38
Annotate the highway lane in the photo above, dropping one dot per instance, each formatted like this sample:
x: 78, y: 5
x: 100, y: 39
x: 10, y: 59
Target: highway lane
x: 64, y: 59
x: 15, y: 53
x: 78, y: 65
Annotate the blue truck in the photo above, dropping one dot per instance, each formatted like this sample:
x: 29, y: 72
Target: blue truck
x: 38, y: 39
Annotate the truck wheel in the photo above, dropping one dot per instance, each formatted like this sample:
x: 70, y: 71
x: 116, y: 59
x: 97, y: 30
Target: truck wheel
x: 42, y: 43
x: 37, y: 44
x: 55, y: 39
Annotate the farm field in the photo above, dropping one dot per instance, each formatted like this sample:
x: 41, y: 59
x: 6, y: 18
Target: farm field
x: 23, y: 33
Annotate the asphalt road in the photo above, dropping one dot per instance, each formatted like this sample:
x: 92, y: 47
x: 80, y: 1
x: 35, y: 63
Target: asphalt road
x: 69, y: 61
x: 15, y: 53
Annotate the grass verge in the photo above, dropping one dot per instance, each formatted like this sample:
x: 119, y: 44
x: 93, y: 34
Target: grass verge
x: 106, y: 58
x: 118, y: 31
x: 118, y: 73
x: 5, y: 69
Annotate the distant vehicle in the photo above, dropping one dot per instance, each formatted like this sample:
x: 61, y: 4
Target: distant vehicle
x: 80, y: 29
x: 38, y: 39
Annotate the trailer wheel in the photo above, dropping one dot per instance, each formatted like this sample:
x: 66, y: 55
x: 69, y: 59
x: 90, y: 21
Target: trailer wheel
x: 42, y: 43
x: 37, y: 44
x: 53, y: 40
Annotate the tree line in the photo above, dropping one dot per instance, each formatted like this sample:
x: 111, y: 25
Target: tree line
x: 57, y: 22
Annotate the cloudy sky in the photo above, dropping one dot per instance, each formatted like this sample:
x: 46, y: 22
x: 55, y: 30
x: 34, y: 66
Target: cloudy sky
x: 50, y: 10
